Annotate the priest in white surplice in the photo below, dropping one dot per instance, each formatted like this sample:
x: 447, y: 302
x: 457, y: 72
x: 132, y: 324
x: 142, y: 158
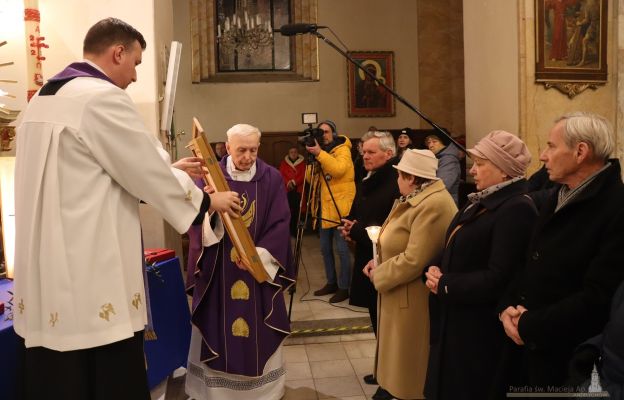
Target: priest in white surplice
x: 84, y: 160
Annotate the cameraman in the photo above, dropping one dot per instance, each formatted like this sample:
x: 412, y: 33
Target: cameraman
x: 334, y: 159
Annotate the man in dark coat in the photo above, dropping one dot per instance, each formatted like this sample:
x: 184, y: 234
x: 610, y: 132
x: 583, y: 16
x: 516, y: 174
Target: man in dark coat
x: 373, y: 202
x: 563, y: 296
x: 605, y: 352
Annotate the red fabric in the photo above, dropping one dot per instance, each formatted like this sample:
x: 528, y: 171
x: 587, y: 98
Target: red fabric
x: 156, y: 255
x: 293, y: 172
x: 559, y: 42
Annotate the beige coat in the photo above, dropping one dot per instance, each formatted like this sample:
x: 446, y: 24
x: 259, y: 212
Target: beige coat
x: 411, y: 236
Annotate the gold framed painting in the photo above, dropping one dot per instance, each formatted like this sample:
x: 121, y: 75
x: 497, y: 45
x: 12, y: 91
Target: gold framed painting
x: 571, y: 41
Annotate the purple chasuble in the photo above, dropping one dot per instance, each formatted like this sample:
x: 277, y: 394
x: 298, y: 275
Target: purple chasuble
x: 79, y: 70
x: 243, y: 322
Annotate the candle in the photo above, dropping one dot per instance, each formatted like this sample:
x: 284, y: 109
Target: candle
x: 218, y: 30
x: 258, y: 19
x: 373, y: 234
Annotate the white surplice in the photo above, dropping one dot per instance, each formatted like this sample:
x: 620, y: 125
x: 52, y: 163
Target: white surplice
x: 84, y: 160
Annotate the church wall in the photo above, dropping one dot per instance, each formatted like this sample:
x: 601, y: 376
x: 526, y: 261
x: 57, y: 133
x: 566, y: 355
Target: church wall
x: 361, y: 24
x: 441, y: 63
x: 65, y: 23
x: 490, y: 67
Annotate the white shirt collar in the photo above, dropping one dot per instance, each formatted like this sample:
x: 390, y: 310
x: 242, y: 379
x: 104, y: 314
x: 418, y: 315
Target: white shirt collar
x: 243, y: 176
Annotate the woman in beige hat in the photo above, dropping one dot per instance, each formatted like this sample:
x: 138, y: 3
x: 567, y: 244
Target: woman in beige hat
x: 484, y: 247
x: 412, y: 234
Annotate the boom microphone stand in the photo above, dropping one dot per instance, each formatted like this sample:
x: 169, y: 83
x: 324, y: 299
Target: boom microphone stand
x: 297, y: 29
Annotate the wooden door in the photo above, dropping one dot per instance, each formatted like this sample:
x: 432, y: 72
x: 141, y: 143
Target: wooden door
x: 274, y: 146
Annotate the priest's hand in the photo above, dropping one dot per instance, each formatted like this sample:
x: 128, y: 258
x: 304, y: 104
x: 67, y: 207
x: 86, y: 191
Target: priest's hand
x: 225, y: 202
x: 243, y: 263
x: 193, y: 166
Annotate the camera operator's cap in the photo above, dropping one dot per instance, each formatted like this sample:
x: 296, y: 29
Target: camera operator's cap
x: 421, y: 163
x: 329, y: 123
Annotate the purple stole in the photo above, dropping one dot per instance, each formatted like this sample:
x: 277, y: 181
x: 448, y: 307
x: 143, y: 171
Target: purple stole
x: 241, y: 321
x: 77, y: 70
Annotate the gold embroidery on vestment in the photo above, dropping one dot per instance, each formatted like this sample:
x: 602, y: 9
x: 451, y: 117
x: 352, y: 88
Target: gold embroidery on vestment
x: 240, y: 328
x: 53, y: 319
x: 234, y: 257
x: 248, y: 213
x: 136, y: 300
x: 21, y: 306
x: 107, y: 309
x: 239, y: 291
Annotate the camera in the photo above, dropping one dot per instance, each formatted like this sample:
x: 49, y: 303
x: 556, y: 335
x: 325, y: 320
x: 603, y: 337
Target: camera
x: 308, y: 136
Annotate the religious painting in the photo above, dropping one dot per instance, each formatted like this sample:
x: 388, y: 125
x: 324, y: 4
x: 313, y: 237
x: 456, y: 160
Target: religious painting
x: 571, y: 40
x: 368, y: 98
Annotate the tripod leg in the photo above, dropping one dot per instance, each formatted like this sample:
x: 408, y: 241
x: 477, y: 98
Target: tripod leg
x: 299, y: 238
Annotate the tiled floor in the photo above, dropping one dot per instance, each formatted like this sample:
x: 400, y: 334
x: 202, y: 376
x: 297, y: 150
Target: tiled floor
x: 310, y: 278
x: 331, y: 370
x: 320, y: 367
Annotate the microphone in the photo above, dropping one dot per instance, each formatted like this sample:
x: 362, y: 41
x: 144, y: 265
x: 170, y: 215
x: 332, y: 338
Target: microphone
x: 298, y: 29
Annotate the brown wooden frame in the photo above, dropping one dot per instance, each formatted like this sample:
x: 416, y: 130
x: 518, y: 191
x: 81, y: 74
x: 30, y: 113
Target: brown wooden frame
x: 561, y: 67
x: 383, y: 60
x: 236, y: 229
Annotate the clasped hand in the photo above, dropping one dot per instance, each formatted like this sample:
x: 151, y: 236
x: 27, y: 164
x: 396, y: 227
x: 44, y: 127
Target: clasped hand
x: 510, y: 319
x: 369, y: 270
x: 433, y: 276
x: 345, y: 229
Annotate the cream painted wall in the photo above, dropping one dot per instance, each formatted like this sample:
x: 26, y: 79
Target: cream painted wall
x: 361, y: 24
x: 490, y: 67
x: 64, y: 24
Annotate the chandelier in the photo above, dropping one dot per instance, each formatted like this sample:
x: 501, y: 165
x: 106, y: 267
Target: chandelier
x: 244, y: 31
